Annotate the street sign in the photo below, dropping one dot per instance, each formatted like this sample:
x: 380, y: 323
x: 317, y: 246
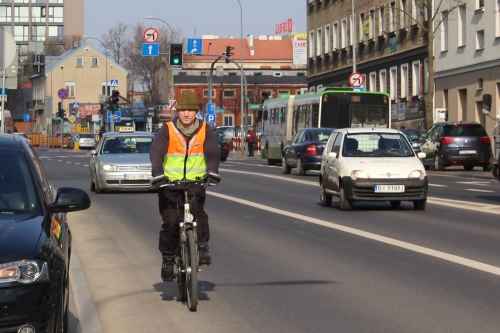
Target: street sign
x: 48, y: 106
x: 118, y: 116
x: 195, y: 45
x: 150, y: 50
x: 72, y: 119
x: 113, y: 83
x: 210, y: 108
x: 210, y: 118
x: 151, y: 35
x: 62, y: 93
x: 26, y: 117
x: 76, y: 105
x: 200, y: 115
x: 358, y: 89
x: 356, y: 80
x: 8, y: 48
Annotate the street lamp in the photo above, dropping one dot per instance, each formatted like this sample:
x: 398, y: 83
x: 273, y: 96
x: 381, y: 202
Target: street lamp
x: 155, y: 18
x: 243, y: 103
x: 107, y: 94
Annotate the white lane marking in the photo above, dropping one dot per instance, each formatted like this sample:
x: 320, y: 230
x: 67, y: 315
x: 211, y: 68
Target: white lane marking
x: 475, y: 190
x: 438, y: 185
x: 468, y: 205
x: 77, y: 163
x: 408, y: 246
x: 475, y: 183
x: 68, y: 162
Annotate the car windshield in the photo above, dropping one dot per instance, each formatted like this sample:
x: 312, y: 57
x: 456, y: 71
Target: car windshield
x: 411, y: 135
x: 321, y: 135
x: 17, y: 191
x: 127, y: 145
x: 86, y: 135
x: 464, y: 130
x: 376, y: 145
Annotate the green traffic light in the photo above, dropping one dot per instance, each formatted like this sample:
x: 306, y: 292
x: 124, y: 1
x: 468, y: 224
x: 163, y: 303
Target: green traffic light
x: 176, y: 61
x: 115, y: 107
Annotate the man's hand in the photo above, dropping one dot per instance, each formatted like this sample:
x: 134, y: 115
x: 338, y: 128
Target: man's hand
x: 212, y: 178
x: 158, y: 181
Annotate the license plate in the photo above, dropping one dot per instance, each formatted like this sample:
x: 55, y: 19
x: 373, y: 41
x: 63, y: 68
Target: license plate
x: 136, y: 177
x: 461, y: 152
x: 389, y: 188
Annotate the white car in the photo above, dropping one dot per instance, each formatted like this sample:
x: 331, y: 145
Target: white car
x: 371, y: 164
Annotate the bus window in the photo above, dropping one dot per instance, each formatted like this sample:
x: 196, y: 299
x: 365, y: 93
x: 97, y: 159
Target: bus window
x: 265, y: 115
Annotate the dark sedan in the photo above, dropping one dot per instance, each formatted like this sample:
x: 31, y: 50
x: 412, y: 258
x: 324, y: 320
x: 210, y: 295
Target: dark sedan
x: 223, y: 145
x: 305, y: 149
x: 415, y: 139
x: 35, y: 242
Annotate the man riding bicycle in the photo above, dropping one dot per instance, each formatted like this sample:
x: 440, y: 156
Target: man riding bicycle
x: 185, y: 148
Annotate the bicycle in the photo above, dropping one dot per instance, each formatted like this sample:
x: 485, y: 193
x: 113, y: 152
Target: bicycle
x: 186, y: 265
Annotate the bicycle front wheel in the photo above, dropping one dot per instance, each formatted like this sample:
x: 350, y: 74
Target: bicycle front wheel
x: 192, y: 271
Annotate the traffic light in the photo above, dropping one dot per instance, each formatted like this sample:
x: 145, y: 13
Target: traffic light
x: 228, y: 52
x: 114, y: 100
x: 60, y: 111
x: 176, y: 55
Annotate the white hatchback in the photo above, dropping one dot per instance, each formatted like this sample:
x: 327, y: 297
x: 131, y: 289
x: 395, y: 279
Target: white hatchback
x: 371, y: 164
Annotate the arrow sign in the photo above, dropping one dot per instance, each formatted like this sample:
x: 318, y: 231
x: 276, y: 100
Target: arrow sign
x: 150, y: 50
x: 356, y: 80
x: 151, y: 35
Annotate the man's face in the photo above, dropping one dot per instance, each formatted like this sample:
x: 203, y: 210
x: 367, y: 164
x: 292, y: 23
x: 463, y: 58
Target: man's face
x: 187, y: 117
x: 389, y: 143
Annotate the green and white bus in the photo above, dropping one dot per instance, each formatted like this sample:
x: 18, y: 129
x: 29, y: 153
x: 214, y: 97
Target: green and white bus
x: 330, y: 107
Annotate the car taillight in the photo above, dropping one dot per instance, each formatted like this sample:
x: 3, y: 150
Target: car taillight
x: 485, y: 139
x: 226, y: 146
x: 311, y: 150
x: 445, y: 140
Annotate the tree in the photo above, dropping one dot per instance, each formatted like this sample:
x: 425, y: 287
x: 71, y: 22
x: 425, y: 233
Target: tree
x: 436, y: 15
x: 114, y: 41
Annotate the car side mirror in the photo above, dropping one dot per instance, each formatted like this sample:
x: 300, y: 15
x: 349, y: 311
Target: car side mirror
x: 93, y: 152
x: 69, y: 199
x: 332, y: 155
x: 421, y: 155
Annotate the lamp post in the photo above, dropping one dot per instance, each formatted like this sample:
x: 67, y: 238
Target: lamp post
x: 353, y: 38
x: 244, y: 125
x: 112, y: 124
x: 171, y: 83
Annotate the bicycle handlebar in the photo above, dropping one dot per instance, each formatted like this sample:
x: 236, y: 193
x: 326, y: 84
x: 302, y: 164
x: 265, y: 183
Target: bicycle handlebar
x: 211, y: 179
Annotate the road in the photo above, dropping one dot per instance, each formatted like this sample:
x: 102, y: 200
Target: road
x: 281, y: 262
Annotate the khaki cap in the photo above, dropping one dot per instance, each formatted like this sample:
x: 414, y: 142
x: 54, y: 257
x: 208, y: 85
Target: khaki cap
x: 187, y: 101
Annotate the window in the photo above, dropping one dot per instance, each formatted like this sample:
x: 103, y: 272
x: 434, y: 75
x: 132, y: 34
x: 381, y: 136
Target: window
x: 21, y: 14
x: 283, y: 92
x: 257, y: 74
x: 205, y: 93
x: 38, y: 33
x: 352, y: 28
x: 480, y: 84
x: 228, y: 93
x: 21, y: 33
x: 362, y: 35
x: 70, y: 87
x: 392, y: 17
x: 327, y: 38
x: 343, y: 36
x: 480, y: 40
x: 480, y: 4
x: 335, y: 45
x: 5, y: 14
x: 393, y: 83
x: 497, y: 18
x: 382, y: 80
x: 319, y: 41
x: 371, y: 33
x: 56, y: 15
x: 416, y: 12
x: 381, y: 21
x: 104, y: 91
x: 94, y: 61
x: 311, y: 44
x: 415, y: 79
x: 373, y: 82
x: 403, y: 15
x: 228, y: 120
x: 79, y: 61
x: 444, y: 31
x: 404, y: 80
x: 462, y: 25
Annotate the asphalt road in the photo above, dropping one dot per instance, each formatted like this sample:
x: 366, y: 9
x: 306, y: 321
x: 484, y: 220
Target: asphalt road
x: 281, y: 262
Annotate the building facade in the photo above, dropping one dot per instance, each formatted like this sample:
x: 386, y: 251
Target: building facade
x: 467, y: 53
x: 386, y: 43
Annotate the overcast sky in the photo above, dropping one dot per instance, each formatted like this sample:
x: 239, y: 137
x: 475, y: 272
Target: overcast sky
x: 197, y: 17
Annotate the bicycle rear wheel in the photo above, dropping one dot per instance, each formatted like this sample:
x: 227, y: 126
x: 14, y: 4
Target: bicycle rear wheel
x: 192, y: 271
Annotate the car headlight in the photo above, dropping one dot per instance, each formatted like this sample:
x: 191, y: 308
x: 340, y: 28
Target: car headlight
x: 416, y: 144
x: 110, y: 167
x: 359, y: 175
x: 24, y: 271
x: 416, y: 174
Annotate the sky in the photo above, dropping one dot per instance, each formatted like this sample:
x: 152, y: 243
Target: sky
x: 197, y: 17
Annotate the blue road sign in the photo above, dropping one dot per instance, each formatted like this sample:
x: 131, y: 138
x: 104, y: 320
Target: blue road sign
x: 195, y: 45
x: 26, y: 117
x: 210, y: 118
x: 358, y: 89
x: 210, y: 108
x: 200, y: 115
x: 117, y: 118
x: 150, y: 50
x: 76, y: 105
x: 114, y: 83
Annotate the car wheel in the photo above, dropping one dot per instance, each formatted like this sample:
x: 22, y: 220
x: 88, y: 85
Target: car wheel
x: 344, y: 203
x: 285, y: 168
x: 438, y: 166
x: 326, y: 199
x: 92, y: 184
x: 223, y: 159
x: 487, y: 167
x: 419, y: 204
x: 395, y: 203
x: 427, y: 167
x: 468, y: 167
x: 300, y: 170
x: 98, y: 189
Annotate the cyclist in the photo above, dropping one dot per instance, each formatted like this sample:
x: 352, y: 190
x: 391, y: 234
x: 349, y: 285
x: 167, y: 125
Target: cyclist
x: 184, y: 148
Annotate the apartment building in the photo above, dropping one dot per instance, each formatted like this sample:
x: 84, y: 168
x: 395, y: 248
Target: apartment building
x: 385, y: 42
x: 467, y: 53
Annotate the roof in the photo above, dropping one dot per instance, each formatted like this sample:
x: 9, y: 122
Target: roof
x: 369, y: 129
x: 9, y: 141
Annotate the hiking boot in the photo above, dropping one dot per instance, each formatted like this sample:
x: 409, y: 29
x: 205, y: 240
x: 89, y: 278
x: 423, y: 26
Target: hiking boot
x: 204, y: 259
x: 167, y: 268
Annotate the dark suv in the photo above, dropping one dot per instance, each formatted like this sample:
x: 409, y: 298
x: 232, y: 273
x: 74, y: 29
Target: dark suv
x: 457, y: 143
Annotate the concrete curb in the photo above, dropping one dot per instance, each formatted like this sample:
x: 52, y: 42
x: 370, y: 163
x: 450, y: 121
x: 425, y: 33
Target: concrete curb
x: 86, y: 310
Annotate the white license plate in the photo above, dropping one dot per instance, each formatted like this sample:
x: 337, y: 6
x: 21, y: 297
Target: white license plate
x: 136, y: 176
x: 389, y: 188
x: 461, y: 152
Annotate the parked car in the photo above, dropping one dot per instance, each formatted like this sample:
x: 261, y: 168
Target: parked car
x: 121, y: 161
x: 305, y: 150
x: 364, y: 164
x: 65, y: 135
x: 228, y: 132
x: 22, y: 134
x: 224, y: 147
x: 85, y: 141
x: 415, y: 139
x: 457, y: 143
x: 35, y: 242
